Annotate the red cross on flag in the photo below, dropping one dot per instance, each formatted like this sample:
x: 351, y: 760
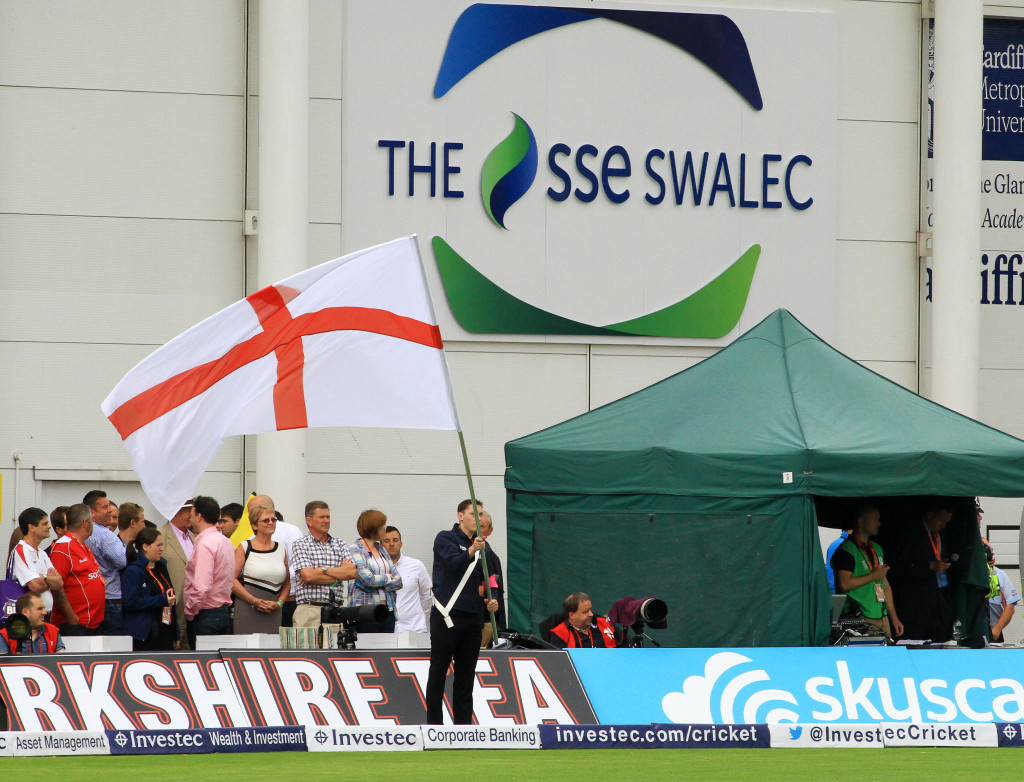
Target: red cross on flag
x: 351, y: 342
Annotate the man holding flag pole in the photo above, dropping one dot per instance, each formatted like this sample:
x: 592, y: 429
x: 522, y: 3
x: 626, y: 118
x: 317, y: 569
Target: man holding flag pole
x: 456, y: 618
x: 352, y: 342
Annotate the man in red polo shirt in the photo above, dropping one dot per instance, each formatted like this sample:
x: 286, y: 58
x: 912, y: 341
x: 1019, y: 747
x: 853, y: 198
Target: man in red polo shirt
x: 83, y: 581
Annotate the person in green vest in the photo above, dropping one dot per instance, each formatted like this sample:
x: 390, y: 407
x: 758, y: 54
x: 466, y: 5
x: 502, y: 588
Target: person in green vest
x: 860, y: 572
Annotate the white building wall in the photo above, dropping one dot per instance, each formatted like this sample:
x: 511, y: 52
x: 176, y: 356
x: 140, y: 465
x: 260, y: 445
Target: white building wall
x: 128, y: 152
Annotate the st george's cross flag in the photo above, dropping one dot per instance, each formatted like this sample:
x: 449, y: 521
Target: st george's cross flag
x: 351, y: 342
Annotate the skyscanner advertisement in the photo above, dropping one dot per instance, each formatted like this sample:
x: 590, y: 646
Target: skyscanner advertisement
x: 827, y: 685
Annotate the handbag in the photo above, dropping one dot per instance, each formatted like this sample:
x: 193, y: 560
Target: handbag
x: 10, y: 591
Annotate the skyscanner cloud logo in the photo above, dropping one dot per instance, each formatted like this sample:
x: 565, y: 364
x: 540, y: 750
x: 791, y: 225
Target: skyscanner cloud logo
x: 481, y: 306
x: 739, y: 690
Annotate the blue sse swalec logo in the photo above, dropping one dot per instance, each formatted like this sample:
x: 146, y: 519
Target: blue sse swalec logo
x: 510, y: 169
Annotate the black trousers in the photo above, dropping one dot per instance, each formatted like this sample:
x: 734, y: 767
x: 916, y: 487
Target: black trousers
x: 458, y: 645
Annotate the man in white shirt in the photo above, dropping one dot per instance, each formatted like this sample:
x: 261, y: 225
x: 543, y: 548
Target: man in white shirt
x: 31, y: 567
x: 413, y: 600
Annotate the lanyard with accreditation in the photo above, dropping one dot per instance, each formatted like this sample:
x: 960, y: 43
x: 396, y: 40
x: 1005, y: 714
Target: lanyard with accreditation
x: 869, y: 553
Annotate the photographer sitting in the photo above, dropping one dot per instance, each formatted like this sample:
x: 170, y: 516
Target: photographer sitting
x: 43, y: 637
x: 582, y: 629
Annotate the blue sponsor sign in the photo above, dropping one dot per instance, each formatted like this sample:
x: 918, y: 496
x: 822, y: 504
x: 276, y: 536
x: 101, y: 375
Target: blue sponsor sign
x: 820, y: 685
x: 289, y: 738
x: 653, y: 736
x: 1009, y: 734
x: 285, y: 739
x: 159, y: 742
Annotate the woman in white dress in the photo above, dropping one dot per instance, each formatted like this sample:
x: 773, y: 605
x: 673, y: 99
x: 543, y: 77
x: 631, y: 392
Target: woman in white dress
x: 261, y: 577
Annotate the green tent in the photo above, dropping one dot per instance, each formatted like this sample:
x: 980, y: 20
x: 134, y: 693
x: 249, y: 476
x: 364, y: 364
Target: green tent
x: 707, y: 490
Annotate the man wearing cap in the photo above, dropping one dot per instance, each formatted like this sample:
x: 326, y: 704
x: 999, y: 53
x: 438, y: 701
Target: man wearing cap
x: 1002, y: 596
x: 179, y: 542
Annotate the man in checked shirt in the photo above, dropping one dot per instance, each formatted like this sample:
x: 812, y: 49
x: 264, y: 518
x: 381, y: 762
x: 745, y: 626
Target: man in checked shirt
x: 321, y: 562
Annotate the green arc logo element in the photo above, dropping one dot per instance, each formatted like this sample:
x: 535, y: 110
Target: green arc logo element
x: 481, y: 307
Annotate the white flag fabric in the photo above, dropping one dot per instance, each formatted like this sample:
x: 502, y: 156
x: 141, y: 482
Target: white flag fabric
x: 351, y: 342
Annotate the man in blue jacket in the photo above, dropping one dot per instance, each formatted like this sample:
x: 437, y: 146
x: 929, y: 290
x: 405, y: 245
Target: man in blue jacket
x: 456, y: 620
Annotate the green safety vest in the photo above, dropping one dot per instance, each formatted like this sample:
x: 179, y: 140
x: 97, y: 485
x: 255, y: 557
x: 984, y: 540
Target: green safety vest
x: 993, y: 583
x: 864, y: 596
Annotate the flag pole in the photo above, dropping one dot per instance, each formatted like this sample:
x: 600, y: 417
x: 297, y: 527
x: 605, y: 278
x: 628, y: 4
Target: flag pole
x: 414, y: 240
x: 479, y: 534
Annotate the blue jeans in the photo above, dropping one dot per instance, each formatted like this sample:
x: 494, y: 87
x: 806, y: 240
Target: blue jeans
x: 113, y: 619
x: 209, y: 621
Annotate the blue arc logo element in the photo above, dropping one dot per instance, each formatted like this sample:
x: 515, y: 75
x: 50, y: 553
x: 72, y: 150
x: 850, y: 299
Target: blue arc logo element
x: 482, y: 31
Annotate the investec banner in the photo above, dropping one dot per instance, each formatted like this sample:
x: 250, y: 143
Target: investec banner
x: 243, y: 689
x: 597, y: 170
x: 823, y: 685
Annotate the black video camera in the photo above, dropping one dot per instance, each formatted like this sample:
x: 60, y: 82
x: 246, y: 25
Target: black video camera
x: 350, y: 617
x: 336, y: 614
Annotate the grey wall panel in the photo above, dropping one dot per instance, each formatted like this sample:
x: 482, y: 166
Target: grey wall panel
x: 878, y: 195
x: 879, y: 60
x: 192, y: 46
x: 1002, y: 343
x: 325, y: 161
x: 121, y: 154
x: 325, y: 19
x: 615, y: 376
x: 324, y: 242
x: 223, y: 487
x: 999, y: 400
x: 876, y: 295
x: 903, y: 373
x: 114, y: 279
x: 52, y: 405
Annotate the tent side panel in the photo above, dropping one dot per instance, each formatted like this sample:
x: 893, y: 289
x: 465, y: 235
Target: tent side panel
x: 733, y: 572
x: 519, y: 542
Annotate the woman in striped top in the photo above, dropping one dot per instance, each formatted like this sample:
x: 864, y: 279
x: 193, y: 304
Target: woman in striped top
x: 377, y: 578
x: 261, y: 577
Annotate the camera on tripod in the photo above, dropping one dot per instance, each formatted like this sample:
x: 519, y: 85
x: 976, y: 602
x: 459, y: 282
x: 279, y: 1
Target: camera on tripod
x: 350, y: 617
